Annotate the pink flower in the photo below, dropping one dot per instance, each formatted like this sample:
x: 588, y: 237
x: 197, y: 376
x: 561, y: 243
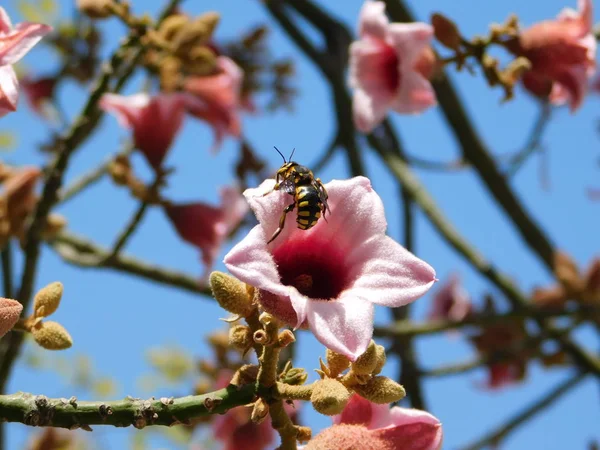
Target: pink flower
x: 155, y: 120
x: 365, y: 425
x: 330, y: 276
x: 206, y: 226
x: 504, y: 374
x: 219, y: 97
x: 38, y: 91
x: 562, y: 53
x: 10, y: 311
x: 388, y: 67
x: 15, y: 42
x: 451, y: 302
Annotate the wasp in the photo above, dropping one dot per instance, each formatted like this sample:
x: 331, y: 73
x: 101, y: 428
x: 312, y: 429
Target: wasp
x: 310, y: 196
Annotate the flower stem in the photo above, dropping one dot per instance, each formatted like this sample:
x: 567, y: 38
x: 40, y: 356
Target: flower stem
x: 289, y: 392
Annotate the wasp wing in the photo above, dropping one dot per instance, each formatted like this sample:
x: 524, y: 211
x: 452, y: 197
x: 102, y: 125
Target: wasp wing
x: 322, y: 196
x: 288, y: 186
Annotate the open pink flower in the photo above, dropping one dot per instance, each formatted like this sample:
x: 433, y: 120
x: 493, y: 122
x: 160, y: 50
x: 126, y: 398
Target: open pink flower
x: 330, y: 276
x: 219, y: 97
x: 364, y: 425
x: 451, y: 302
x: 155, y: 120
x: 562, y: 53
x: 10, y: 311
x: 388, y: 67
x: 207, y: 226
x: 15, y: 42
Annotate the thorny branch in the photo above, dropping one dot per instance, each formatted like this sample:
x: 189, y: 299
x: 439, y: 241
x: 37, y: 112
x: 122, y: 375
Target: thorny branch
x: 39, y: 410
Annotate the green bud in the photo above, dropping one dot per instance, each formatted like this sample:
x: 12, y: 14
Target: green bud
x: 381, y: 390
x: 337, y: 363
x: 381, y: 359
x: 329, y: 396
x: 240, y: 337
x: 231, y: 294
x: 366, y: 363
x: 295, y: 376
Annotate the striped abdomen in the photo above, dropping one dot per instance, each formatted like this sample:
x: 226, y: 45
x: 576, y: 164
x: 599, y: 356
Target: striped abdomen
x: 309, y: 206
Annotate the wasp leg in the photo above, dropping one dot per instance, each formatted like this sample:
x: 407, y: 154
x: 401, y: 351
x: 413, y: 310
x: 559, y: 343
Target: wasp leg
x: 275, y: 188
x: 287, y: 210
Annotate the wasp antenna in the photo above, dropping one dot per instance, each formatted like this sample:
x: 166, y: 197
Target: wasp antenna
x: 284, y: 161
x: 292, y: 154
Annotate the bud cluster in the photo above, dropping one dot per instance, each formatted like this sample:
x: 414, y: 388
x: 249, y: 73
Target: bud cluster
x: 48, y: 334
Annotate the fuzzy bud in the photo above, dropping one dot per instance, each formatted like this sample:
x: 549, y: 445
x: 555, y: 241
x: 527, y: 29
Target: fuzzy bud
x: 329, y: 396
x: 245, y: 375
x: 55, y: 223
x: 567, y: 272
x: 285, y: 338
x: 196, y: 32
x: 10, y: 311
x: 172, y: 25
x: 303, y: 434
x: 446, y: 31
x: 381, y: 390
x: 366, y: 363
x: 240, y: 337
x: 337, y: 363
x: 96, y: 9
x: 231, y: 294
x: 51, y: 336
x: 515, y: 70
x: 295, y: 376
x: 381, y: 359
x: 47, y: 299
x: 260, y: 411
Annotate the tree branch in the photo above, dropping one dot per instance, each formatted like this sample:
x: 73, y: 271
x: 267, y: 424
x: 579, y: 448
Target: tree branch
x: 80, y: 252
x: 38, y: 410
x: 477, y: 154
x: 495, y: 437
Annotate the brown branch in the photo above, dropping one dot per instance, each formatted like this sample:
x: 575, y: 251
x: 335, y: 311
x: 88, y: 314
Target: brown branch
x: 478, y: 155
x: 83, y: 253
x: 495, y: 437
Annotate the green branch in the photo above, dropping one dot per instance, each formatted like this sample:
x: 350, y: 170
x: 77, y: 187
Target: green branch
x: 493, y: 438
x: 83, y: 253
x: 408, y: 328
x: 39, y: 410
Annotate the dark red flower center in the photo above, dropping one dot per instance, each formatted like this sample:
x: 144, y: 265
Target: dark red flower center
x: 315, y: 268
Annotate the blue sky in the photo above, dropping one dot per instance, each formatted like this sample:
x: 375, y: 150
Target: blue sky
x: 114, y: 318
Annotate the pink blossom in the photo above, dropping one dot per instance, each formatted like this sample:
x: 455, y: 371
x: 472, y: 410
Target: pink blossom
x: 15, y: 42
x: 388, y: 67
x: 504, y: 374
x: 10, y: 311
x: 365, y: 425
x: 219, y: 99
x: 562, y: 53
x: 329, y: 277
x: 207, y: 226
x: 451, y: 302
x: 38, y: 91
x: 155, y: 120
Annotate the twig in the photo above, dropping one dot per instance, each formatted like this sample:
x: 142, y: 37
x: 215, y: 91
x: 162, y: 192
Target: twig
x: 533, y: 141
x: 7, y: 275
x: 408, y: 328
x: 88, y: 179
x: 39, y: 410
x: 83, y: 253
x: 437, y: 166
x: 496, y: 436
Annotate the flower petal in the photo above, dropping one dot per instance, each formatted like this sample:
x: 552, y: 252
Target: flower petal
x: 360, y: 411
x: 251, y: 262
x: 9, y: 90
x: 387, y: 274
x: 409, y: 39
x: 412, y: 430
x: 344, y: 325
x: 127, y: 109
x: 15, y: 43
x: 415, y: 95
x: 372, y: 20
